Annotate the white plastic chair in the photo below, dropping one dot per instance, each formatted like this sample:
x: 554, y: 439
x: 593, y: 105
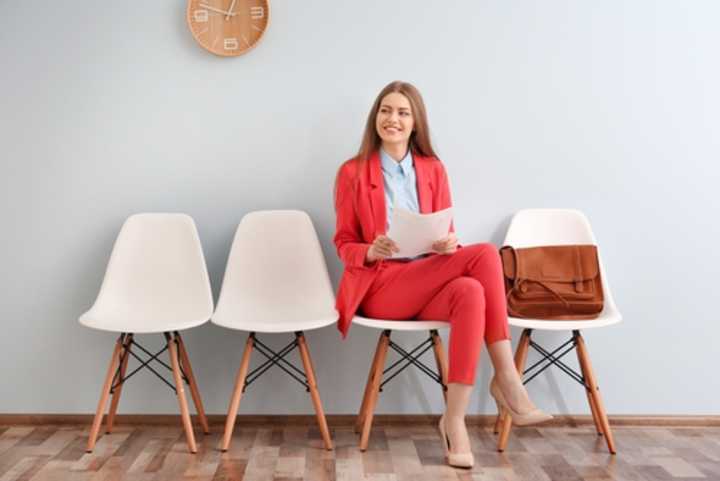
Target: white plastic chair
x: 541, y: 227
x: 156, y: 282
x: 379, y: 375
x: 276, y: 281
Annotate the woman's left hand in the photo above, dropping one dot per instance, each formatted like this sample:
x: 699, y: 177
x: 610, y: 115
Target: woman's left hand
x: 447, y: 245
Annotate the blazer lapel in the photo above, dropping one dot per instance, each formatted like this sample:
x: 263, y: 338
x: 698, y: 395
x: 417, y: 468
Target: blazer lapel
x: 424, y: 187
x: 377, y: 194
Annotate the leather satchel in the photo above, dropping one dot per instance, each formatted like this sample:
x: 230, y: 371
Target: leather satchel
x: 553, y: 282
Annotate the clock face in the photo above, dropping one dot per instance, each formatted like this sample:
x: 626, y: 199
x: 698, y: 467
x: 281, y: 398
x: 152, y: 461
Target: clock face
x: 228, y: 27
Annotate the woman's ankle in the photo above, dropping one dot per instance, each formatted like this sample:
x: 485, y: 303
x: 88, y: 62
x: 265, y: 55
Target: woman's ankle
x: 505, y: 377
x: 454, y: 418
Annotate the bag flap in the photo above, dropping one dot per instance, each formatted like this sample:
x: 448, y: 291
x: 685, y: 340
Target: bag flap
x: 567, y: 263
x: 508, y: 261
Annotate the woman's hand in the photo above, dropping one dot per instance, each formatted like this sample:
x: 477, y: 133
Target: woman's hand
x: 447, y: 245
x: 381, y: 248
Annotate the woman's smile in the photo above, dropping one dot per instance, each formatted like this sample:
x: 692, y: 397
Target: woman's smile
x: 394, y: 122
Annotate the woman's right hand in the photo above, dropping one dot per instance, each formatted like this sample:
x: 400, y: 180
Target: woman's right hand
x: 381, y: 248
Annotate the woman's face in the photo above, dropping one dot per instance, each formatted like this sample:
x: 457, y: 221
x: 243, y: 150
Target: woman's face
x: 394, y: 122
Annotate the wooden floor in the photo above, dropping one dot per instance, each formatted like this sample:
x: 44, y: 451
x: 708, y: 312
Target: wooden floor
x: 411, y: 453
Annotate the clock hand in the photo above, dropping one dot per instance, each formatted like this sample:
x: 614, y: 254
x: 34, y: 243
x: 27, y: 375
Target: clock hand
x: 213, y: 9
x: 229, y: 12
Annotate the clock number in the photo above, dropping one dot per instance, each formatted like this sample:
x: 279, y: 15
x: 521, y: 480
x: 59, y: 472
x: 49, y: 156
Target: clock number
x: 200, y: 15
x: 231, y: 44
x: 257, y: 12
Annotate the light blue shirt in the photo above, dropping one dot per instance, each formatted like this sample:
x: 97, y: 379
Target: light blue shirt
x: 400, y: 184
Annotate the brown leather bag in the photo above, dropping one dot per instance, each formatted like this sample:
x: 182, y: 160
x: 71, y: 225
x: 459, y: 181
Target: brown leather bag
x: 553, y: 282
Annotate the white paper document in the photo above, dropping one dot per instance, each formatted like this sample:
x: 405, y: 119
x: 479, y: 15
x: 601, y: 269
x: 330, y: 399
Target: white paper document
x: 415, y: 234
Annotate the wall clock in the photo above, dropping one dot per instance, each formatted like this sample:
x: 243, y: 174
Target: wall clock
x: 228, y: 27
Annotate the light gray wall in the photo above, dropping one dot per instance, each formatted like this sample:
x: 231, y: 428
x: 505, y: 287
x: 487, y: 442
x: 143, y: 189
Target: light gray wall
x: 110, y: 108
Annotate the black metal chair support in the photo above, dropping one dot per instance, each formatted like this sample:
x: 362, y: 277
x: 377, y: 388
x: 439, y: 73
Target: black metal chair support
x: 412, y: 358
x: 554, y: 359
x: 144, y: 363
x: 276, y: 359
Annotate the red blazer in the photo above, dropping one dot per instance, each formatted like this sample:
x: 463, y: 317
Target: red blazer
x: 360, y: 217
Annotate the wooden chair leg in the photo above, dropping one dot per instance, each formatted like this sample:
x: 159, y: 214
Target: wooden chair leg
x: 368, y: 388
x: 125, y: 357
x: 520, y: 358
x: 104, y: 394
x: 237, y: 393
x: 591, y: 384
x: 593, y: 411
x: 591, y: 401
x: 314, y: 393
x: 180, y: 388
x: 194, y: 391
x: 440, y: 360
x: 499, y: 420
x: 383, y: 344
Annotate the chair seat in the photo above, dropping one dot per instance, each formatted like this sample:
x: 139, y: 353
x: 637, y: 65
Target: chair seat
x: 138, y: 326
x: 289, y: 325
x: 409, y: 325
x: 605, y: 319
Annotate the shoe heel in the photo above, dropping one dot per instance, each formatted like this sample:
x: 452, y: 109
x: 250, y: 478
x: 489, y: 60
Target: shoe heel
x: 456, y: 460
x: 443, y: 436
x: 499, y: 407
x: 536, y: 416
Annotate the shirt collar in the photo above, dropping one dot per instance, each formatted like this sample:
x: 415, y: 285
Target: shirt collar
x: 390, y: 165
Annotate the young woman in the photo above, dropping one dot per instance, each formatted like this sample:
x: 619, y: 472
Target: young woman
x: 397, y: 167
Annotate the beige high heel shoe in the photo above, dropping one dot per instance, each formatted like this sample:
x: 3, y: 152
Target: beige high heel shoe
x: 536, y: 416
x: 456, y: 460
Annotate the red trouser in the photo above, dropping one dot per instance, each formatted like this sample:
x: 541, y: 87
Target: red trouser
x: 465, y: 288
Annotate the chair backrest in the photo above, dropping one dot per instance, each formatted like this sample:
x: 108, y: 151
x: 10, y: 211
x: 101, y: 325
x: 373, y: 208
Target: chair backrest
x: 542, y: 227
x: 156, y: 271
x: 538, y: 227
x: 276, y: 275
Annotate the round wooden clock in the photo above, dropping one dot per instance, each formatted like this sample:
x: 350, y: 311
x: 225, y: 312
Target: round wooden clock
x: 228, y: 27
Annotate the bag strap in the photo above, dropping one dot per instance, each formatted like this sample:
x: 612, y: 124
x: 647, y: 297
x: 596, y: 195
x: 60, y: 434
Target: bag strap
x: 553, y: 291
x: 578, y: 270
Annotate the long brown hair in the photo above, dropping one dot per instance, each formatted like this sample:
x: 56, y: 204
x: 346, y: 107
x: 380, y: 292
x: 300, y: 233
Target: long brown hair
x: 419, y: 138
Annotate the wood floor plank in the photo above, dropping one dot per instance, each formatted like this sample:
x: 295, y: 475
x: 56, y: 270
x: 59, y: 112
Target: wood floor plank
x: 56, y: 470
x: 558, y: 469
x: 203, y: 465
x: 295, y: 442
x: 104, y: 448
x: 677, y: 467
x: 56, y: 442
x: 159, y: 456
x: 242, y: 443
x: 524, y: 465
x: 262, y: 462
x: 19, y: 469
x: 142, y: 461
x: 319, y: 463
x: 11, y: 437
x: 395, y: 452
x: 38, y: 436
x: 348, y: 458
x: 230, y: 469
x: 73, y: 450
x: 404, y: 456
